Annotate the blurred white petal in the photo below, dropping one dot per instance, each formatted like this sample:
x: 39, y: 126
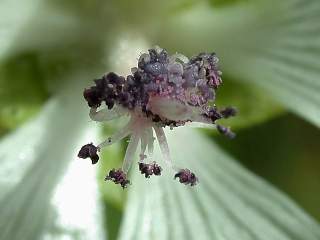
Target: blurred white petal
x: 229, y: 202
x: 34, y: 203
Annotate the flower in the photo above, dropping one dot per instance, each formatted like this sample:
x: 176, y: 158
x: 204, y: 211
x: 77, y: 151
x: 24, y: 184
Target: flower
x: 162, y: 91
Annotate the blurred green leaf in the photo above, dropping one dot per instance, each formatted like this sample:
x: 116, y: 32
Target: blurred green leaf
x: 21, y: 90
x: 228, y: 203
x: 35, y: 158
x: 113, y: 217
x: 11, y: 24
x: 111, y: 158
x: 12, y: 116
x: 275, y: 45
x: 42, y: 43
x: 224, y: 3
x: 12, y: 21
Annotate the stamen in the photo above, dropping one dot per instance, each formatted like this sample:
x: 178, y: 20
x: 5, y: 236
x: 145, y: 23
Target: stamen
x: 162, y: 91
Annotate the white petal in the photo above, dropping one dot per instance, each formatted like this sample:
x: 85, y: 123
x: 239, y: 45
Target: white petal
x: 228, y: 203
x: 33, y: 159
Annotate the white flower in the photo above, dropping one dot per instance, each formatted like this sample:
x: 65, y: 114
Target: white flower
x: 162, y: 91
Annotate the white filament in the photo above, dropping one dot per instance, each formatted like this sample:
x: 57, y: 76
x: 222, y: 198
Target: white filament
x: 163, y: 146
x: 117, y: 136
x: 130, y: 152
x: 106, y: 114
x: 147, y: 140
x: 150, y: 142
x: 144, y: 143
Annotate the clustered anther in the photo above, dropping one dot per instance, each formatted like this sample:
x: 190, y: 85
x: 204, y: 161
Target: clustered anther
x: 118, y: 177
x: 186, y: 177
x: 149, y: 169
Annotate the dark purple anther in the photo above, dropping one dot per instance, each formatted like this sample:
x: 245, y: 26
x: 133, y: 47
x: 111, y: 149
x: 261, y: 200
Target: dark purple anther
x: 113, y: 78
x: 92, y: 96
x: 118, y: 177
x: 124, y: 98
x: 145, y: 169
x: 109, y: 103
x: 153, y: 55
x: 130, y: 80
x: 101, y: 83
x: 137, y: 77
x: 186, y: 177
x: 213, y: 114
x: 149, y: 169
x: 156, y: 118
x: 156, y: 169
x: 155, y: 69
x: 226, y: 131
x: 163, y: 56
x: 214, y: 79
x: 229, y: 112
x: 89, y: 150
